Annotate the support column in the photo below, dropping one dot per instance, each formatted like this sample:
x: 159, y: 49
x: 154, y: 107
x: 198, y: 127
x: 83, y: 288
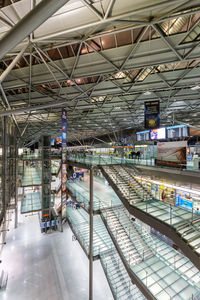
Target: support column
x: 4, y: 163
x: 91, y: 237
x: 16, y: 185
x: 46, y: 182
x: 23, y: 167
x: 63, y: 162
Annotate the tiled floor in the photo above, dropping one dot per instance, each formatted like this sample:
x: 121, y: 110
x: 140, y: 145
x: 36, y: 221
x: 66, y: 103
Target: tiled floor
x: 48, y: 266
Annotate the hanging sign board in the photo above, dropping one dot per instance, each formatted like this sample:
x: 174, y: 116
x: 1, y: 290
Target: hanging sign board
x: 151, y: 114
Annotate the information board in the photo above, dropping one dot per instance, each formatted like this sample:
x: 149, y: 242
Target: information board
x: 143, y: 135
x: 178, y: 131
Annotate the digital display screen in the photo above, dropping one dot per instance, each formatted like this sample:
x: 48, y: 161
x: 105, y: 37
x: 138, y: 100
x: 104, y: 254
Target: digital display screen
x: 143, y: 135
x: 158, y: 134
x: 178, y: 131
x: 52, y: 142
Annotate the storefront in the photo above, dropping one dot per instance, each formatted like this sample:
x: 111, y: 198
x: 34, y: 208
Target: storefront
x: 193, y: 157
x: 188, y: 200
x: 160, y: 191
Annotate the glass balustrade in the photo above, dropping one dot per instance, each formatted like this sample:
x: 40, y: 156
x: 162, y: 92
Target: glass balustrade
x: 81, y: 191
x: 118, y: 278
x: 162, y: 281
x: 33, y: 202
x: 79, y: 220
x: 31, y: 177
x: 185, y: 223
x: 102, y: 159
x: 154, y: 263
x: 139, y: 249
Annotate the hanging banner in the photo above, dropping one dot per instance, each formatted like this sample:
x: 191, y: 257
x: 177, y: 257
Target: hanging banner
x: 64, y: 128
x: 151, y: 114
x: 172, y: 154
x: 64, y: 153
x: 46, y: 177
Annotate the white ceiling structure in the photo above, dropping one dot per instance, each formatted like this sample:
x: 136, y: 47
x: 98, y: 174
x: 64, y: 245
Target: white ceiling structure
x: 101, y: 60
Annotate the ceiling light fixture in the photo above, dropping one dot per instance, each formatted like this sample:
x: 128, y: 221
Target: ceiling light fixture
x: 147, y: 93
x: 196, y: 87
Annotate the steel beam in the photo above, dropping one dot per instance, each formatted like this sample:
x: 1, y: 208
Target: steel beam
x: 103, y: 56
x: 12, y: 64
x: 159, y: 31
x: 111, y: 19
x: 109, y: 9
x: 134, y: 49
x: 92, y: 9
x: 6, y: 100
x: 29, y: 23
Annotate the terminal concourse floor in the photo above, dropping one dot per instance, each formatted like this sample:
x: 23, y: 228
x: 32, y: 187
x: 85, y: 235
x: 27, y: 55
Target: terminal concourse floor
x: 48, y: 266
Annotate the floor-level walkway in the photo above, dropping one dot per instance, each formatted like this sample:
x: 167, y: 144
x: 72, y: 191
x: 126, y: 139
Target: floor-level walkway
x: 48, y: 266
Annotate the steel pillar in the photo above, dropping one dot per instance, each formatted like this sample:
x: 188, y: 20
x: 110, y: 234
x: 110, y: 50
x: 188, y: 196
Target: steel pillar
x: 4, y: 164
x: 91, y: 236
x: 16, y: 185
x: 12, y: 64
x: 29, y: 23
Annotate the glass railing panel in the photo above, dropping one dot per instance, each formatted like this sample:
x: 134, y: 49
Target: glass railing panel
x: 156, y: 264
x: 31, y: 177
x: 80, y: 222
x: 31, y: 202
x: 171, y: 257
x: 162, y: 281
x: 108, y: 160
x: 102, y: 198
x: 118, y: 277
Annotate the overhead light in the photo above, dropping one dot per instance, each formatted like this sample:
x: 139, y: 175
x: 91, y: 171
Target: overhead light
x: 196, y: 87
x: 147, y: 93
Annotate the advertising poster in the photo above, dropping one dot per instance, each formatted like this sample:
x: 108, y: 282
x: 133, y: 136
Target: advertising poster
x: 158, y: 134
x: 64, y: 128
x: 151, y: 114
x: 194, y: 132
x: 172, y: 154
